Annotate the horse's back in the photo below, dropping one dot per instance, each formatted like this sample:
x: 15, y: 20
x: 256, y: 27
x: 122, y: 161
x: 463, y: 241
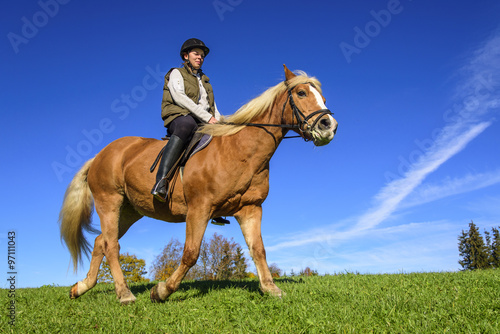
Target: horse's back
x: 112, y: 162
x: 130, y: 143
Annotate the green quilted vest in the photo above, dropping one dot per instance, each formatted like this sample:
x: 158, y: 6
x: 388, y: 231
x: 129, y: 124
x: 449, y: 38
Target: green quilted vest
x: 169, y: 110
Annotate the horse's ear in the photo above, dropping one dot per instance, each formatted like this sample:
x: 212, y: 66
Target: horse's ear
x: 288, y: 74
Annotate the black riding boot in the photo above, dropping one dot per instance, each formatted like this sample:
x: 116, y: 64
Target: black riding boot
x: 171, y: 154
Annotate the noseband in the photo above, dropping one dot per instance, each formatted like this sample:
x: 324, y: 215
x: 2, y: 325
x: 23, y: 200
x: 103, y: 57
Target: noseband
x: 302, y: 121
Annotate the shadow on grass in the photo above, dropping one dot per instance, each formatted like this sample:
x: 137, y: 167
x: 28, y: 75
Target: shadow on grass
x: 204, y: 287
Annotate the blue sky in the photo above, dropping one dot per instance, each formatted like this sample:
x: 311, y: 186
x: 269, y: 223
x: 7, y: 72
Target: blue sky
x: 414, y: 85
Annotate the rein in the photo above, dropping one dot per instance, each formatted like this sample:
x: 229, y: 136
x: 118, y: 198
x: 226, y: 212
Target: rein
x: 302, y: 120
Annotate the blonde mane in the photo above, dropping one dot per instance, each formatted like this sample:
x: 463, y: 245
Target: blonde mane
x: 255, y: 107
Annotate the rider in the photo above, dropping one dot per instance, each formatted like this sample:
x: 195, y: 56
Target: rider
x: 188, y: 100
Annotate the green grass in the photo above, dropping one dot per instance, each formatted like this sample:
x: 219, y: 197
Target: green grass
x: 462, y: 302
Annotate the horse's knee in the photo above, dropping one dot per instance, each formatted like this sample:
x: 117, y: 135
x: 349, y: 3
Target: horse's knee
x: 190, y: 257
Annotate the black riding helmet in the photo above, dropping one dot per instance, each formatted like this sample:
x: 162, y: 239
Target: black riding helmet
x: 191, y: 44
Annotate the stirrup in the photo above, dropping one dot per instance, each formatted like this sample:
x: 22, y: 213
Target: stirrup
x: 157, y: 191
x: 220, y: 221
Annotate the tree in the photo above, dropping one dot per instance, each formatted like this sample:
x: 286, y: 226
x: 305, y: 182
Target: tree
x: 219, y: 259
x: 275, y: 270
x: 494, y: 247
x: 473, y: 251
x: 133, y: 269
x: 240, y: 264
x: 201, y: 271
x: 308, y: 272
x: 169, y: 259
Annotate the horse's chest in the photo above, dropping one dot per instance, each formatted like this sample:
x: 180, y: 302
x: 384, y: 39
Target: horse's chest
x: 254, y: 191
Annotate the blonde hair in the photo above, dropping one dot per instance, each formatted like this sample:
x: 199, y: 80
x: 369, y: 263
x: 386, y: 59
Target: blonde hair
x: 256, y: 107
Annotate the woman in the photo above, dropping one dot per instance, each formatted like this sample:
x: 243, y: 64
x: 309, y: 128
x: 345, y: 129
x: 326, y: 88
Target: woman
x: 188, y: 100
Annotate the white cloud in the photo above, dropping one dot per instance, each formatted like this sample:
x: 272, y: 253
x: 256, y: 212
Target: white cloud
x: 429, y: 246
x: 449, y: 187
x: 450, y: 143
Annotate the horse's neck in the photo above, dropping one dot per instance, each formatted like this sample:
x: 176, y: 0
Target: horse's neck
x: 261, y: 142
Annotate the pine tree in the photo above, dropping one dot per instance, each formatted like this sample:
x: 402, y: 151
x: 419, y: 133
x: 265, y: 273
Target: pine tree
x: 472, y: 249
x: 489, y: 249
x: 495, y: 248
x: 240, y: 264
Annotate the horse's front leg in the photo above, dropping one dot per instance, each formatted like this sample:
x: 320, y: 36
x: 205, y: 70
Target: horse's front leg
x: 196, y: 224
x: 249, y: 219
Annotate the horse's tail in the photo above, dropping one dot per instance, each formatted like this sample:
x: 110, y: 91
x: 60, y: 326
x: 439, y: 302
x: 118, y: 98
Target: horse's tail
x: 76, y: 215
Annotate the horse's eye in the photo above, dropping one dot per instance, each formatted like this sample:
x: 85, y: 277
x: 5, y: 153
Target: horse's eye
x: 301, y: 93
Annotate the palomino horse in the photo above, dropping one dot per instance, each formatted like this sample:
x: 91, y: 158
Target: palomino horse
x: 230, y: 177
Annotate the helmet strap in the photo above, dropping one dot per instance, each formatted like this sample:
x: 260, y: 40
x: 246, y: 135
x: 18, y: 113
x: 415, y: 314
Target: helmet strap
x: 190, y: 67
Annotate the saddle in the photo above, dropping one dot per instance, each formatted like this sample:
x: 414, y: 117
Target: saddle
x: 197, y: 143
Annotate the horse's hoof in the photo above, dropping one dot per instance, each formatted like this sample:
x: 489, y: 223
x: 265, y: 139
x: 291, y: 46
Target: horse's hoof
x: 155, y: 296
x: 73, y: 292
x: 129, y: 298
x: 274, y: 291
x: 277, y: 293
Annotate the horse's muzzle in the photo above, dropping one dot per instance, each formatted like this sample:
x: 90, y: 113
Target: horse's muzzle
x: 324, y: 131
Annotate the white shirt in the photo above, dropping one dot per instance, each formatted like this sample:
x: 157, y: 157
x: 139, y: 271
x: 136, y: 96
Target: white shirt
x: 201, y: 109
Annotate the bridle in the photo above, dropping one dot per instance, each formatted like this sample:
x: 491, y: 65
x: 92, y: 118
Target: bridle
x: 302, y: 124
x: 302, y: 120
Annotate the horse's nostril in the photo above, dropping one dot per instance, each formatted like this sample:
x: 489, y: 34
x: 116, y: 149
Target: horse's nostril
x: 325, y: 123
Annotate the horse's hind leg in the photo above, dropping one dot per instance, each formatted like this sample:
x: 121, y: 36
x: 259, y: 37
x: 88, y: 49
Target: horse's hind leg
x: 127, y: 217
x: 114, y: 223
x: 90, y: 281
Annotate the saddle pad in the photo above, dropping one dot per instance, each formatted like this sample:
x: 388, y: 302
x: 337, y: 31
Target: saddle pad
x: 196, y: 145
x: 204, y: 141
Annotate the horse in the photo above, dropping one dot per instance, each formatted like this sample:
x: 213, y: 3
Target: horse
x: 230, y: 177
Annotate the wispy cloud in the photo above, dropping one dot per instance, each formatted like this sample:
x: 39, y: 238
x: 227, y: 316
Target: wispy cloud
x: 381, y: 249
x: 391, y: 195
x: 451, y: 186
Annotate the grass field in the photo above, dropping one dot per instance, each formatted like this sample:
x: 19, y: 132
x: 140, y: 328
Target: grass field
x: 461, y: 302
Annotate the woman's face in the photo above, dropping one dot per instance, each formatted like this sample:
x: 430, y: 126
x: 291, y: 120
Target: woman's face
x: 195, y: 58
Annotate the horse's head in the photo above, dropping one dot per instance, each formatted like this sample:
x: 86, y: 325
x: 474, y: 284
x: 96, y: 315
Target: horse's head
x: 308, y: 111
